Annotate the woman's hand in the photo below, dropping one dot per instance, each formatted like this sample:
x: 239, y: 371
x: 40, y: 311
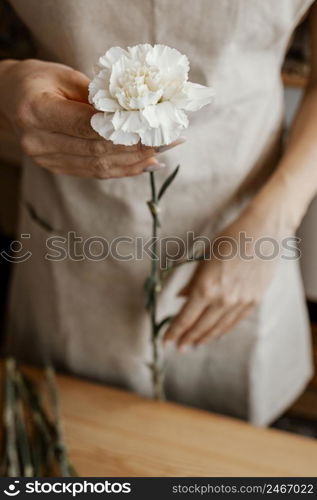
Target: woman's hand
x: 223, y: 291
x: 225, y: 288
x: 47, y: 106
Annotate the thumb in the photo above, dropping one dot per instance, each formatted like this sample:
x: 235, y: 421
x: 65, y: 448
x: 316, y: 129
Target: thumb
x: 75, y: 85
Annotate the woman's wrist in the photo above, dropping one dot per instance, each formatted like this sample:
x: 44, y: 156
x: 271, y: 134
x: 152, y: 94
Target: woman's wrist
x: 5, y: 68
x: 276, y: 199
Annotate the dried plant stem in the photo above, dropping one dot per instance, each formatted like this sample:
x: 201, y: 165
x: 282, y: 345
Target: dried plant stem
x: 22, y: 432
x: 60, y: 447
x: 11, y: 454
x: 43, y: 452
x: 155, y: 287
x: 34, y: 444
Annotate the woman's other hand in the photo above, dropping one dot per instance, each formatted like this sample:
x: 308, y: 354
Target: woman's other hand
x: 225, y: 288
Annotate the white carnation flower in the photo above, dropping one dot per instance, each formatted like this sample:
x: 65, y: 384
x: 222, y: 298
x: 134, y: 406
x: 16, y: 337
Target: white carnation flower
x: 142, y: 93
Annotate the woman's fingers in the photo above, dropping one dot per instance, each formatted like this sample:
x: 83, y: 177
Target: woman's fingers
x: 225, y: 323
x: 42, y: 142
x: 188, y: 315
x: 231, y: 319
x: 94, y: 158
x: 209, y: 318
x: 93, y: 167
x: 134, y: 169
x: 46, y: 143
x: 57, y: 114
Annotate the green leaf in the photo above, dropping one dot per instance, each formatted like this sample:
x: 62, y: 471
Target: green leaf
x: 163, y: 322
x: 152, y: 367
x: 149, y: 286
x: 167, y: 182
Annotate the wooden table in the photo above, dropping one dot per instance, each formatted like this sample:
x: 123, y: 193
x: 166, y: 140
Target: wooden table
x: 115, y: 433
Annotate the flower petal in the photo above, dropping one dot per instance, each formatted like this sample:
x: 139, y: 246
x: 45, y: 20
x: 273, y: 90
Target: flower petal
x: 166, y: 57
x: 128, y: 121
x: 117, y: 70
x: 103, y: 102
x: 148, y: 99
x: 166, y: 115
x: 99, y: 94
x: 124, y: 138
x: 99, y: 82
x: 111, y: 56
x: 102, y: 124
x: 139, y: 52
x: 155, y: 137
x: 193, y: 96
x: 166, y: 123
x: 173, y: 66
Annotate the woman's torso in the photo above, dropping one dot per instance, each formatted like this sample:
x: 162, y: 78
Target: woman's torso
x: 236, y: 46
x: 91, y: 314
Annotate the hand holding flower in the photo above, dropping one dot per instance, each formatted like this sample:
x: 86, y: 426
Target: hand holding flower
x: 47, y: 106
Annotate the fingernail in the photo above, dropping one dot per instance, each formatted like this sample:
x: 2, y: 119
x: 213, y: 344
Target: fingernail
x: 154, y: 167
x: 183, y: 348
x: 216, y: 335
x: 162, y: 149
x: 167, y: 343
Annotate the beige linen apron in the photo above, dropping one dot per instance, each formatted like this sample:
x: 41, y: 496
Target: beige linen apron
x: 89, y: 314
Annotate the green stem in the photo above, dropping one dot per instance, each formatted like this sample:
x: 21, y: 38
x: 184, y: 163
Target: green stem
x: 156, y: 366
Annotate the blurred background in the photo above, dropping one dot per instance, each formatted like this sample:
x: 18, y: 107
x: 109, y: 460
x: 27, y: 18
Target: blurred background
x: 15, y: 42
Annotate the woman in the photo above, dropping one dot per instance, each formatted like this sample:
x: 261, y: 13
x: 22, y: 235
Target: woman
x: 89, y: 315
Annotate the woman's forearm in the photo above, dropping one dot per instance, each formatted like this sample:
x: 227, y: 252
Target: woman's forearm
x: 293, y: 185
x: 10, y: 150
x: 5, y: 65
